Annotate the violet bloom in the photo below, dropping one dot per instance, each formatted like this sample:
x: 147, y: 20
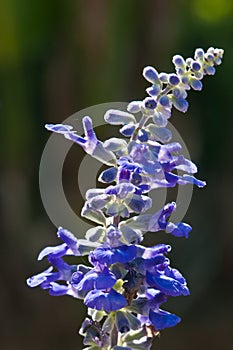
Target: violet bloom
x: 123, y: 283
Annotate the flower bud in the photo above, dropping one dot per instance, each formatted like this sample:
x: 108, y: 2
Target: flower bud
x: 150, y: 74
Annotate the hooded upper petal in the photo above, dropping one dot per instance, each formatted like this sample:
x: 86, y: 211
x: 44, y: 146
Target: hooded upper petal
x: 167, y: 285
x: 163, y: 319
x: 121, y: 254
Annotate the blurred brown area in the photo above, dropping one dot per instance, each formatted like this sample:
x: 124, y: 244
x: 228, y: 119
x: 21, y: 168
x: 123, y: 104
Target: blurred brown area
x: 58, y: 57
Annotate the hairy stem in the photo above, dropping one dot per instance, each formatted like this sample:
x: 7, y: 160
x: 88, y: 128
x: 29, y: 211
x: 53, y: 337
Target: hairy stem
x: 141, y: 123
x: 116, y: 220
x: 114, y: 336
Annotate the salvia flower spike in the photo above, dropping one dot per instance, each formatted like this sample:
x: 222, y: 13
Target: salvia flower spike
x: 125, y: 283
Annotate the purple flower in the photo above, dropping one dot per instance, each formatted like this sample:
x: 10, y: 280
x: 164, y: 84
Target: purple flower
x: 142, y: 265
x: 126, y: 277
x: 153, y: 165
x: 47, y: 279
x: 105, y: 300
x: 151, y: 300
x: 72, y: 246
x: 107, y: 255
x: 95, y: 279
x: 43, y: 279
x: 167, y: 285
x: 121, y: 199
x: 89, y: 143
x: 56, y: 251
x: 157, y: 222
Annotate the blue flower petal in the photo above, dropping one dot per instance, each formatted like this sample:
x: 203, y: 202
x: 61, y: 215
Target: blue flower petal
x: 150, y: 252
x: 56, y: 252
x: 190, y: 179
x: 58, y: 128
x: 90, y: 143
x: 107, y: 301
x: 171, y: 179
x: 174, y: 273
x: 89, y: 131
x: 68, y: 237
x: 66, y: 130
x: 156, y: 299
x: 121, y: 190
x: 76, y: 278
x: 124, y: 174
x: 163, y: 319
x: 36, y: 280
x: 138, y: 203
x: 96, y: 280
x: 65, y: 269
x: 121, y: 254
x: 180, y: 229
x: 57, y: 289
x: 167, y: 285
x: 165, y: 213
x: 142, y: 265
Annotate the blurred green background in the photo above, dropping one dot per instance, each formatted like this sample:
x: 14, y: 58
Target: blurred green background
x: 58, y: 57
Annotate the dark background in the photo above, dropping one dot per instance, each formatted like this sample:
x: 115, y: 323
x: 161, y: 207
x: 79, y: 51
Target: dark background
x: 58, y: 57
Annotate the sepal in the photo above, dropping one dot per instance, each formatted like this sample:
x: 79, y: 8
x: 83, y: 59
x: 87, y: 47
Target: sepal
x: 161, y: 134
x: 95, y: 234
x: 93, y: 214
x: 122, y: 322
x: 115, y: 144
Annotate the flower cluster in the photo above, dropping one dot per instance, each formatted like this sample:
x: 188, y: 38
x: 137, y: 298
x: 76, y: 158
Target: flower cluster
x: 125, y: 283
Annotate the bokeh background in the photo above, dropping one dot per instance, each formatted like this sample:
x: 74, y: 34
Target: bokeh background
x: 58, y: 57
